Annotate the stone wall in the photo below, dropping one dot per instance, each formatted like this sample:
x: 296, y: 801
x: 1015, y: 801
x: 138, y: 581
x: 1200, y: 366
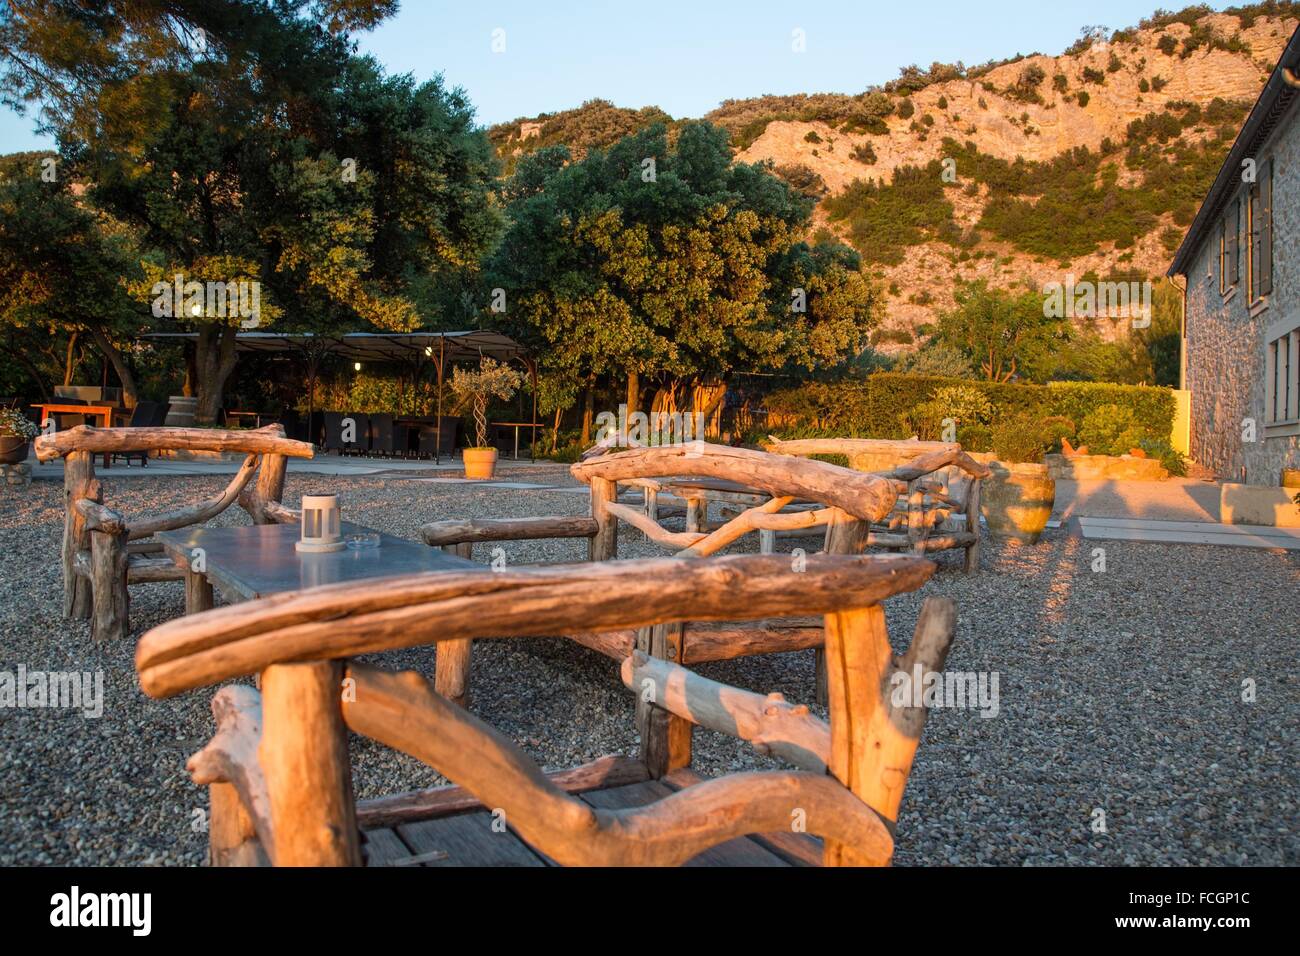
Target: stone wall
x: 1225, y: 342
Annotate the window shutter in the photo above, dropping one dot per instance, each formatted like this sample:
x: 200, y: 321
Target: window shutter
x: 1234, y: 251
x: 1266, y: 231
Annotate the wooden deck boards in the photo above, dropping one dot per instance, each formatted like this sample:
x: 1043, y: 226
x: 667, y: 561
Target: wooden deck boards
x: 467, y: 839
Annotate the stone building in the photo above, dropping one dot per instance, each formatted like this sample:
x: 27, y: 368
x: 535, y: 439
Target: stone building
x: 1240, y: 263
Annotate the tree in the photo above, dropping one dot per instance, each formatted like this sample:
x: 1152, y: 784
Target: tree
x: 64, y: 273
x: 243, y: 141
x: 1005, y: 334
x: 672, y: 261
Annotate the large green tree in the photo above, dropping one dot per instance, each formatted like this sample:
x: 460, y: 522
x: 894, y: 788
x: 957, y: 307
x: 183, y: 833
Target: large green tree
x: 1005, y: 334
x: 242, y: 139
x: 667, y: 260
x: 64, y: 274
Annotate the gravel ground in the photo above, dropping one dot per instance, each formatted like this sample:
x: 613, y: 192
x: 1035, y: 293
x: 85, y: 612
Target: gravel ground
x: 1119, y: 691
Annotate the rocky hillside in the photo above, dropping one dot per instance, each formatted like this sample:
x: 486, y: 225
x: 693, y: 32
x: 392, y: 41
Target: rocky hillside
x: 1091, y: 162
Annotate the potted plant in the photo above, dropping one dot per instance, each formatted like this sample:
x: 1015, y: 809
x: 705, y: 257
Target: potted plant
x: 16, y: 434
x: 1017, y: 499
x: 473, y: 389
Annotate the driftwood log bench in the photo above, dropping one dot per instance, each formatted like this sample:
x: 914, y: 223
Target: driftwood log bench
x: 278, y: 768
x: 938, y: 484
x: 925, y: 499
x: 788, y: 493
x: 104, y: 552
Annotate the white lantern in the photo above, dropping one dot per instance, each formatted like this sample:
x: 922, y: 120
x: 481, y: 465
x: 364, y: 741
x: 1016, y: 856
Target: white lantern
x: 320, y: 524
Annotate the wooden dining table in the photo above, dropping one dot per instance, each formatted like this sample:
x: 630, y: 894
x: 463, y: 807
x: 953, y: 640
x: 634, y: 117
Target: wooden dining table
x: 103, y: 412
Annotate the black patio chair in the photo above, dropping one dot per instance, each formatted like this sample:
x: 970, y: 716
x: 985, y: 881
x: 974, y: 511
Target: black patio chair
x: 332, y: 425
x: 144, y: 415
x: 386, y: 436
x: 360, y: 443
x: 65, y: 420
x: 428, y: 439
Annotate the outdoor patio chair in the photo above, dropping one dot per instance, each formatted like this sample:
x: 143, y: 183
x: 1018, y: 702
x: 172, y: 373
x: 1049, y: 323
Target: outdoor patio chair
x: 332, y: 423
x: 66, y: 420
x: 278, y: 771
x: 428, y: 438
x: 144, y: 415
x: 790, y: 496
x: 104, y: 551
x: 360, y: 444
x: 387, y: 438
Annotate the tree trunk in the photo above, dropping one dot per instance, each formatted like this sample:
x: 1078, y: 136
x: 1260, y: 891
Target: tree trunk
x: 706, y: 401
x: 70, y: 361
x: 555, y: 431
x: 214, y: 361
x: 633, y: 392
x: 111, y: 352
x: 588, y: 413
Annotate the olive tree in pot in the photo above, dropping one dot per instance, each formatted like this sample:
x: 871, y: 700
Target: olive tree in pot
x: 473, y: 390
x: 1017, y: 500
x: 16, y: 434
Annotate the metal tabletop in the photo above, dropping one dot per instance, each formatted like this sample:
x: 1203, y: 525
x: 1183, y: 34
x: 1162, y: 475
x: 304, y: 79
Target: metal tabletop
x: 250, y: 562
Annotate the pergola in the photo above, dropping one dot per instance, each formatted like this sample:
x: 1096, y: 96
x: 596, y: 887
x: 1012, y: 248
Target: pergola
x: 412, y: 348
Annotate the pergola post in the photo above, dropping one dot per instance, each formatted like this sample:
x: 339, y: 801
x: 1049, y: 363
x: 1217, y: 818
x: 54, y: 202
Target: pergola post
x: 442, y: 354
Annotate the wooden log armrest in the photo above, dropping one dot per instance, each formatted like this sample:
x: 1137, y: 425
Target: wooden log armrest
x: 473, y: 530
x: 99, y: 517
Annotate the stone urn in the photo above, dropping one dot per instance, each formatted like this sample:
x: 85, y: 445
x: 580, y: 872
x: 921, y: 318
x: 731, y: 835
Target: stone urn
x: 480, y: 462
x: 13, y: 449
x: 1017, y: 500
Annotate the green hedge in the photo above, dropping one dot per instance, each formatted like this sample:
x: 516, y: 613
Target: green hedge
x: 872, y: 408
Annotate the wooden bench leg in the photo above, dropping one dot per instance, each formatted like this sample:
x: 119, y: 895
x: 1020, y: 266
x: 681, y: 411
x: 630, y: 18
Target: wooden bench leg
x: 304, y: 755
x: 697, y: 514
x: 819, y: 665
x: 198, y: 592
x: 232, y: 838
x: 112, y: 600
x: 973, y: 525
x: 451, y: 673
x: 665, y: 737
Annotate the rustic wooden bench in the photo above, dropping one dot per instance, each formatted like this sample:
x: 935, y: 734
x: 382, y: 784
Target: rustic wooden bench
x: 841, y: 503
x: 278, y: 767
x: 938, y: 505
x: 104, y: 552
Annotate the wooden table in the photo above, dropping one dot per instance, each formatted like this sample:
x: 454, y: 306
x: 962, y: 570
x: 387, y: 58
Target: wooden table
x: 103, y: 412
x: 246, y: 563
x: 518, y: 425
x: 250, y: 562
x: 256, y: 418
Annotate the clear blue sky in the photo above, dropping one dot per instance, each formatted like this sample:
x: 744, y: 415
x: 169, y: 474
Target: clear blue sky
x: 686, y: 57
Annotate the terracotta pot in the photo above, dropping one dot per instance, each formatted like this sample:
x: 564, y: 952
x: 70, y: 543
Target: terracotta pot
x: 480, y: 462
x: 1291, y: 477
x: 1017, y: 501
x: 13, y: 450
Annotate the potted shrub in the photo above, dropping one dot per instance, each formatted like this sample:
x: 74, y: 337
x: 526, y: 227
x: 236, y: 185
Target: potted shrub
x: 473, y: 389
x: 1017, y: 499
x: 16, y: 434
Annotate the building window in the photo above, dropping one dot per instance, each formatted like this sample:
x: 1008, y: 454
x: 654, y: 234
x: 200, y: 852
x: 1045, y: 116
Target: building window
x: 1282, y: 374
x: 1259, y: 233
x: 1229, y: 254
